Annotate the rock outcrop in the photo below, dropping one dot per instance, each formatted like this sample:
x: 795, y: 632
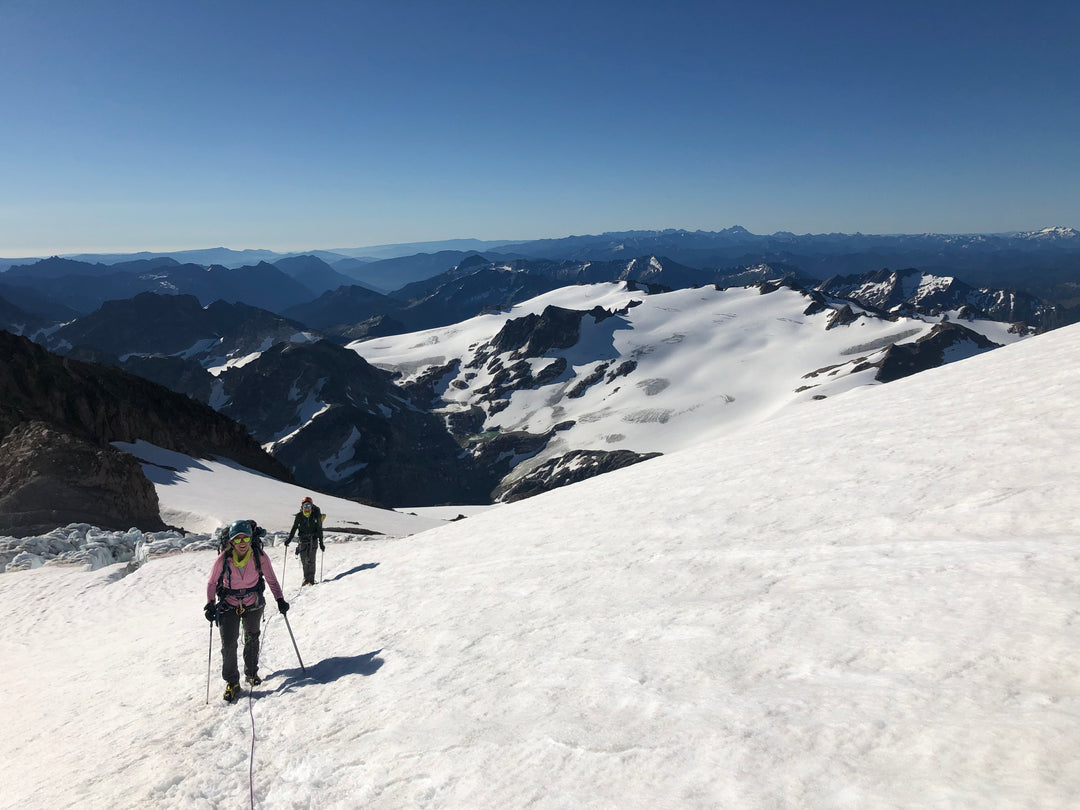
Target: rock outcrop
x: 57, y: 419
x: 50, y: 478
x: 570, y: 468
x: 904, y: 359
x: 102, y: 404
x: 343, y: 427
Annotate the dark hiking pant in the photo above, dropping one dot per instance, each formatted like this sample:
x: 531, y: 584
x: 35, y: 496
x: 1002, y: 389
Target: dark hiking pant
x: 308, y: 550
x: 229, y: 625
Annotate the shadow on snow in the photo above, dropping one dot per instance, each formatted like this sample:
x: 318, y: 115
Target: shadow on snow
x: 329, y: 670
x: 357, y: 569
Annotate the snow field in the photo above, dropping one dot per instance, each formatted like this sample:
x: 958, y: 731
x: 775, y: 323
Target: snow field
x: 869, y: 603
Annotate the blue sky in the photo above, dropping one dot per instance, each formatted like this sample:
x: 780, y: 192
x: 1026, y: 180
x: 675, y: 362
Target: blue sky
x: 132, y: 125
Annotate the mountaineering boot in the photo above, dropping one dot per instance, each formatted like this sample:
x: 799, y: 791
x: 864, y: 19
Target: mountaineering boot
x: 232, y: 692
x: 254, y: 680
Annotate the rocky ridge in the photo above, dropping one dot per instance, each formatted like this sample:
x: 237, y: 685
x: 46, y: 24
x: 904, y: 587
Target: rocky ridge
x: 55, y: 408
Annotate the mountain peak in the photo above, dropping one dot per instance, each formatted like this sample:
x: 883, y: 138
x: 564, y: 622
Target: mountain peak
x: 736, y: 230
x: 475, y: 260
x: 1055, y: 232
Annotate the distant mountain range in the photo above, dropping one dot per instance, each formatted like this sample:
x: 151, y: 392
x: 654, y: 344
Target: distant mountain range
x: 315, y: 287
x: 562, y: 380
x: 498, y: 375
x: 1038, y: 257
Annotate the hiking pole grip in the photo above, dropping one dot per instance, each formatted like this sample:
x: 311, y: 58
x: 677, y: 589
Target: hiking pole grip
x: 288, y: 626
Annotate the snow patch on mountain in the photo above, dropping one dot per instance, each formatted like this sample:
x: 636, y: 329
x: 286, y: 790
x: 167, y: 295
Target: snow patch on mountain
x: 337, y: 466
x: 727, y: 358
x: 306, y: 412
x: 1052, y: 233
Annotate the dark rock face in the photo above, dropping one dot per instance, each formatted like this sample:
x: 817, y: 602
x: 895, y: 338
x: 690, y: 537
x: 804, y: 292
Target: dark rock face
x: 590, y: 379
x: 532, y: 336
x: 842, y: 317
x: 422, y: 390
x: 153, y: 324
x: 492, y: 457
x: 466, y: 423
x: 536, y: 335
x: 575, y: 466
x: 492, y: 454
x: 342, y: 427
x: 58, y: 416
x: 182, y: 376
x: 49, y: 478
x: 143, y: 323
x: 905, y: 359
x: 103, y: 404
x: 912, y: 291
x: 17, y: 320
x: 379, y: 326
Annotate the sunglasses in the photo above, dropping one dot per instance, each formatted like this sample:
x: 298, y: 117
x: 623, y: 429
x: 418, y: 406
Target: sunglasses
x: 241, y: 538
x: 306, y: 507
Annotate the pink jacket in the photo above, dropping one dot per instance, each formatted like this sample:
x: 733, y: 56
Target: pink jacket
x: 240, y: 578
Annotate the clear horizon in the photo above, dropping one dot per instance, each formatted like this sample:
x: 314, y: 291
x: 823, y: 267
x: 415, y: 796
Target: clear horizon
x: 142, y: 127
x: 421, y: 243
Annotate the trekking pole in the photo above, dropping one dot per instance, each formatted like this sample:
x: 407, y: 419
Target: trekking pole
x: 288, y: 626
x: 322, y: 562
x: 209, y: 656
x: 283, y: 565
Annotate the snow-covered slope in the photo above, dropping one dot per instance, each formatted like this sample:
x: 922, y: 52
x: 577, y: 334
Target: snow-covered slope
x: 201, y: 495
x: 868, y: 603
x: 669, y: 371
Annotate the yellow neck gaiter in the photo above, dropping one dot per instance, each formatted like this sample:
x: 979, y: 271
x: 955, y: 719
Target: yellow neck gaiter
x: 241, y: 563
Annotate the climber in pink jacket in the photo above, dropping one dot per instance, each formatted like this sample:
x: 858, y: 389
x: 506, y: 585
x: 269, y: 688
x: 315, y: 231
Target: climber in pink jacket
x: 234, y: 594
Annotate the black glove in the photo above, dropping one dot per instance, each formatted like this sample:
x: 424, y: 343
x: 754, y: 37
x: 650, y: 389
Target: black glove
x: 282, y: 606
x: 210, y: 611
x: 321, y: 546
x: 287, y: 542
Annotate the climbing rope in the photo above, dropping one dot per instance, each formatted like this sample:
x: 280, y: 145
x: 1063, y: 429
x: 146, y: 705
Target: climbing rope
x: 251, y: 714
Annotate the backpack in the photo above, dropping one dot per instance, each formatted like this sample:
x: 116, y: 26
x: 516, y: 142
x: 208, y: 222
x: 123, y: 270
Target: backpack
x: 257, y: 535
